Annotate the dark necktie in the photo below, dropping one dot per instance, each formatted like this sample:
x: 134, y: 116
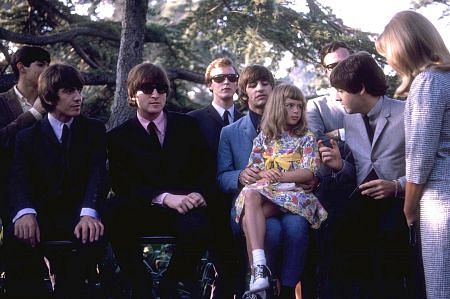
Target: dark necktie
x: 226, y: 119
x: 151, y: 128
x: 65, y: 137
x: 368, y: 128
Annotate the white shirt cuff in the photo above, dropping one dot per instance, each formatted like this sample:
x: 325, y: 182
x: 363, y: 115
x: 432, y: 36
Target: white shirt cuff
x: 89, y: 212
x: 342, y: 134
x: 36, y: 113
x: 24, y: 212
x: 159, y: 200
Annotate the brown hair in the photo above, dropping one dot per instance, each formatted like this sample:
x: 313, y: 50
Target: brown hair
x: 274, y: 117
x: 330, y: 48
x: 142, y: 74
x: 27, y: 55
x: 252, y: 74
x: 54, y: 78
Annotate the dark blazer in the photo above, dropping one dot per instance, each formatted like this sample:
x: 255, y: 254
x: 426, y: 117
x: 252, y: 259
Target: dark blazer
x: 211, y: 124
x: 12, y: 119
x: 141, y: 169
x: 53, y: 181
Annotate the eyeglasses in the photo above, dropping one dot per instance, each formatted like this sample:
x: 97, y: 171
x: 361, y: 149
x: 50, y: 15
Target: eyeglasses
x: 220, y: 78
x: 291, y: 106
x: 331, y: 66
x: 148, y: 88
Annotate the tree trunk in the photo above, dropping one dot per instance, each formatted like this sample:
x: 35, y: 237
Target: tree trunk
x: 130, y: 54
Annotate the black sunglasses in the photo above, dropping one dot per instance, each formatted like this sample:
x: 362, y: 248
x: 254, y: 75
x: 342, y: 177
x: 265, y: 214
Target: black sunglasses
x: 148, y: 88
x: 220, y: 78
x: 331, y: 66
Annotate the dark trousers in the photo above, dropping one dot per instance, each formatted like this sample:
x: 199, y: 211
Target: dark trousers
x: 222, y: 247
x: 71, y: 265
x: 127, y: 221
x: 377, y: 264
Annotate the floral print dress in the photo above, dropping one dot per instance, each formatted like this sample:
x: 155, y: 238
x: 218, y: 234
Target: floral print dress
x: 287, y: 153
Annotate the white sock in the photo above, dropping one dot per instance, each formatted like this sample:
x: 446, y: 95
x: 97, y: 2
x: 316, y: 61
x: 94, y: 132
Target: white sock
x: 259, y: 257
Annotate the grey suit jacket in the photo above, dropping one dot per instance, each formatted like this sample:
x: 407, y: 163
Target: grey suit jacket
x: 235, y: 146
x: 386, y: 154
x: 324, y: 114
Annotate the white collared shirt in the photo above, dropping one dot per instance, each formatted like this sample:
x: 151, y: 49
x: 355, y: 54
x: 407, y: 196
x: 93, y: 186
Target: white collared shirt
x: 221, y: 111
x: 26, y: 105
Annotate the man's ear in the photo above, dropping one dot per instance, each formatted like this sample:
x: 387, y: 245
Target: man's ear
x: 363, y: 90
x: 209, y: 87
x: 20, y: 66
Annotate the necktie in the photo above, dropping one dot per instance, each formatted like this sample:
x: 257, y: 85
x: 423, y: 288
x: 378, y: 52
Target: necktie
x: 368, y: 128
x: 65, y: 137
x: 151, y: 128
x: 226, y: 119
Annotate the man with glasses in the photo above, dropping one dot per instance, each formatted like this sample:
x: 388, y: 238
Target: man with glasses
x: 325, y: 117
x: 160, y: 176
x: 221, y: 77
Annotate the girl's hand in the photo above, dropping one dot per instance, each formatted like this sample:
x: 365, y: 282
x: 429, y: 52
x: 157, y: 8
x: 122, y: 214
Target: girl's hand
x: 272, y: 175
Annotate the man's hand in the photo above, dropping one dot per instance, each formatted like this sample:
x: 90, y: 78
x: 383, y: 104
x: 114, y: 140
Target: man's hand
x: 249, y: 176
x: 378, y: 189
x: 271, y: 175
x: 26, y: 229
x: 184, y: 203
x: 38, y: 106
x: 311, y: 185
x: 331, y: 156
x: 89, y: 228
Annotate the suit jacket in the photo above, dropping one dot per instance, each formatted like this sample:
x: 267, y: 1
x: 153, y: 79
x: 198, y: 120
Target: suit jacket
x: 211, y: 125
x: 324, y: 115
x: 54, y: 181
x: 235, y: 146
x: 12, y: 119
x: 141, y: 169
x: 386, y: 154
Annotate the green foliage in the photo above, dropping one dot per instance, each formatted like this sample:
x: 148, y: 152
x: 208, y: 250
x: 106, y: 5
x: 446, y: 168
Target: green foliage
x: 185, y: 34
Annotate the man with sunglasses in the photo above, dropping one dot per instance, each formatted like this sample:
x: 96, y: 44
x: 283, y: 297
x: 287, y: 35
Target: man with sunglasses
x: 325, y: 117
x: 221, y: 77
x: 160, y: 176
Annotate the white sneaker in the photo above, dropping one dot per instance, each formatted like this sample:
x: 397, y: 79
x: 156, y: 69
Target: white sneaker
x: 260, y: 281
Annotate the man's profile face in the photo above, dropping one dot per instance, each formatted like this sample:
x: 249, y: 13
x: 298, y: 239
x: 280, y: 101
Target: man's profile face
x: 222, y: 86
x: 351, y: 102
x: 332, y: 59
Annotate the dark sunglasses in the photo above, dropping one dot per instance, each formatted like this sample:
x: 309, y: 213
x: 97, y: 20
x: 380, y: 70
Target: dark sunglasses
x: 220, y: 78
x: 331, y: 66
x: 148, y: 88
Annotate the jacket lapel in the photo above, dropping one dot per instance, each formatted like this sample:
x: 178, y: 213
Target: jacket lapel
x: 382, y: 120
x: 214, y: 115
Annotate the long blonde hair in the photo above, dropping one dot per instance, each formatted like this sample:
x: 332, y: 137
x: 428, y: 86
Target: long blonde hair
x: 273, y: 121
x: 412, y: 44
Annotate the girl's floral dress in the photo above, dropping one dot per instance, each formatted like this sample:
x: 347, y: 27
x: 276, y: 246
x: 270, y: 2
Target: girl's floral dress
x: 287, y: 153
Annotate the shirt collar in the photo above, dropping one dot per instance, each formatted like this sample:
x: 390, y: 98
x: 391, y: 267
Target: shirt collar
x: 160, y: 122
x: 57, y: 125
x: 24, y: 102
x: 376, y: 109
x: 221, y: 111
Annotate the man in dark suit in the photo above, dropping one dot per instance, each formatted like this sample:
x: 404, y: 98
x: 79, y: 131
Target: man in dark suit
x: 20, y: 107
x: 221, y: 78
x: 160, y: 175
x: 57, y: 183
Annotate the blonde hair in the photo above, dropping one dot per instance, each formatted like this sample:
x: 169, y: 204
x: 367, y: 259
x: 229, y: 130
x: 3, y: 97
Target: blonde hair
x: 273, y: 121
x: 411, y: 44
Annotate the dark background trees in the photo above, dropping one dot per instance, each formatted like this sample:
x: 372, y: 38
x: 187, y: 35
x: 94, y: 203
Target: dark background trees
x: 183, y: 36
